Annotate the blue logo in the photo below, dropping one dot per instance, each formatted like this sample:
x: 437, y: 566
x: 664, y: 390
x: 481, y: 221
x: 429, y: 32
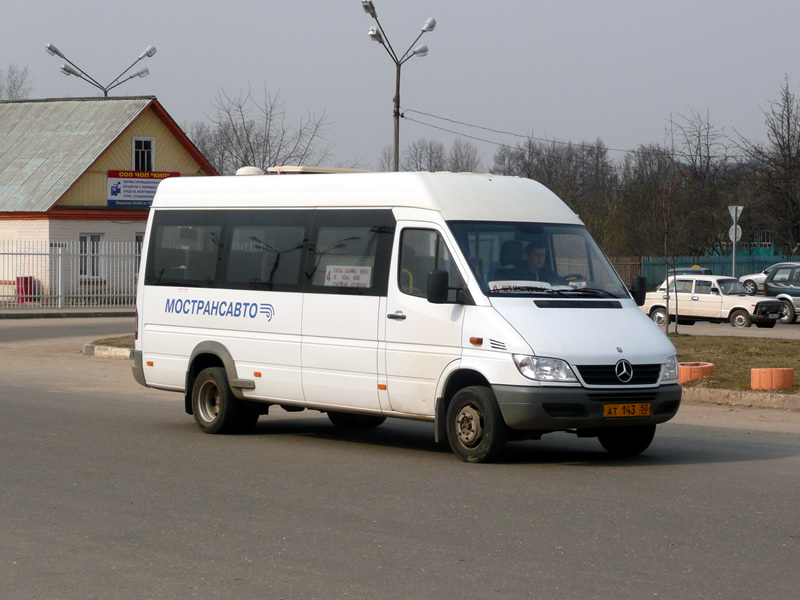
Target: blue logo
x: 219, y: 308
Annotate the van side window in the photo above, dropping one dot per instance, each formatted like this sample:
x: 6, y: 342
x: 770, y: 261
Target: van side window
x: 184, y: 249
x: 423, y: 251
x: 349, y: 252
x: 264, y: 250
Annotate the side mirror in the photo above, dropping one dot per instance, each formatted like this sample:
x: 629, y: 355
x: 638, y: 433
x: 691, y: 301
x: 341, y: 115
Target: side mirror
x: 639, y: 289
x: 438, y: 286
x: 715, y: 291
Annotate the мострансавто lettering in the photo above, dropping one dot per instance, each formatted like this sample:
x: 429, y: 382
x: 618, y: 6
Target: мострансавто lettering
x: 218, y: 308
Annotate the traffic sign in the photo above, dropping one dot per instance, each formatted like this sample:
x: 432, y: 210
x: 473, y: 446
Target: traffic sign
x: 735, y: 236
x: 736, y: 212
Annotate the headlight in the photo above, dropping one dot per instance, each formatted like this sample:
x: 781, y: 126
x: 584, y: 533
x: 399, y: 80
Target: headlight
x: 545, y: 369
x: 669, y: 372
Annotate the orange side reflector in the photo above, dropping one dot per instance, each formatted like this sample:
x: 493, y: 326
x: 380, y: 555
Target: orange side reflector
x: 381, y: 386
x: 149, y: 363
x: 476, y: 341
x: 257, y: 374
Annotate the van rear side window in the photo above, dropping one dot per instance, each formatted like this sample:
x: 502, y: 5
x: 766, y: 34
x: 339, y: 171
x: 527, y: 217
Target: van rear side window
x: 318, y: 251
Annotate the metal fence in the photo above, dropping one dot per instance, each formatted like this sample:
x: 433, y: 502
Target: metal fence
x: 68, y: 274
x: 103, y: 274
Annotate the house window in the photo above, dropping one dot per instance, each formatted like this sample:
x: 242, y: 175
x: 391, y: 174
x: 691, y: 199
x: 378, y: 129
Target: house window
x: 143, y: 154
x: 90, y: 254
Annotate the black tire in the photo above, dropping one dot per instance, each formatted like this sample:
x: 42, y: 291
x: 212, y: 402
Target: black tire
x: 475, y: 427
x: 769, y: 324
x: 658, y: 315
x: 215, y: 408
x: 627, y: 441
x: 740, y: 318
x: 788, y: 315
x: 751, y: 287
x: 354, y: 421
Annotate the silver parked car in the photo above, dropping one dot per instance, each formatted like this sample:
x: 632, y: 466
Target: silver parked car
x: 754, y: 282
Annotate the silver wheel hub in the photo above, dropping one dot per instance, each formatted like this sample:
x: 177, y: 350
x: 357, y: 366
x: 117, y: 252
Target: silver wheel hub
x: 208, y: 401
x: 469, y: 426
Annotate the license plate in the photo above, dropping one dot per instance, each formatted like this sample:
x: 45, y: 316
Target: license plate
x: 638, y: 409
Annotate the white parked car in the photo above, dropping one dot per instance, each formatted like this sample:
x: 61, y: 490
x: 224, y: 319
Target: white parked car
x: 712, y: 298
x: 754, y: 282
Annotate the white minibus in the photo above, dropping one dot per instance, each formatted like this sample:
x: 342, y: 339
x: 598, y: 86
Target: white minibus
x: 479, y: 303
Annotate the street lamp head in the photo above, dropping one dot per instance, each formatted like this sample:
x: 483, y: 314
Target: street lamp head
x: 70, y: 70
x: 148, y: 52
x: 420, y: 51
x: 429, y: 25
x: 143, y: 72
x: 369, y: 8
x: 374, y: 34
x: 53, y: 51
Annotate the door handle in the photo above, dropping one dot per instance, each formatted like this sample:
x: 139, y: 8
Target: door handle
x: 396, y: 316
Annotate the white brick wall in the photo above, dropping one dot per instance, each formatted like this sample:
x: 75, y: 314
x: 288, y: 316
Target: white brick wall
x: 24, y: 230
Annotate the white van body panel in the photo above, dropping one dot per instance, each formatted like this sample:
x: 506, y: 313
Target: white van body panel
x: 340, y: 351
x: 178, y: 319
x: 587, y: 335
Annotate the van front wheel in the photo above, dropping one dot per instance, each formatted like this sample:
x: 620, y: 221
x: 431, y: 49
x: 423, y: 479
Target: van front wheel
x: 215, y: 408
x: 475, y: 427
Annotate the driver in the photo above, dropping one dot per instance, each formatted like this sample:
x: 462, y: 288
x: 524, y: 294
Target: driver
x: 535, y: 268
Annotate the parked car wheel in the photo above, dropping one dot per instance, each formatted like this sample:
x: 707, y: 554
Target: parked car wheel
x: 751, y: 287
x: 740, y: 318
x: 659, y: 315
x: 788, y: 315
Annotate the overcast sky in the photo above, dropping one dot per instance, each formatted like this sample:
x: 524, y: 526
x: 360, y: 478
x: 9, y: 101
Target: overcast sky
x: 564, y: 70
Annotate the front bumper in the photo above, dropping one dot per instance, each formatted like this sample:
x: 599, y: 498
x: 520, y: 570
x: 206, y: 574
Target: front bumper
x: 529, y: 408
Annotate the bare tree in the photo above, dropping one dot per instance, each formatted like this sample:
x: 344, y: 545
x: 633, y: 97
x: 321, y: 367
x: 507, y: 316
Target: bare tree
x: 385, y: 161
x: 14, y: 83
x: 776, y: 167
x: 463, y: 157
x: 245, y: 131
x: 424, y: 155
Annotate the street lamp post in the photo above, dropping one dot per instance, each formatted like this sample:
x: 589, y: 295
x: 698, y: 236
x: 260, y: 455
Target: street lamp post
x: 70, y: 68
x: 379, y: 35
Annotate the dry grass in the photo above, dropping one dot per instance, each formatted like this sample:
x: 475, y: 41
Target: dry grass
x: 123, y: 341
x: 733, y: 357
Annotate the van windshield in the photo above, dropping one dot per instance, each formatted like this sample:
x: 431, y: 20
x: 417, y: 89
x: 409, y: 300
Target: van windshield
x: 536, y: 259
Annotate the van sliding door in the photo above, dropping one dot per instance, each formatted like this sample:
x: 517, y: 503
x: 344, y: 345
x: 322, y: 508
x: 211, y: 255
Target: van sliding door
x: 346, y: 278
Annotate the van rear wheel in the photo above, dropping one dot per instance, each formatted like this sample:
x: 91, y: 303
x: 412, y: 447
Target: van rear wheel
x: 475, y: 427
x: 627, y: 441
x: 215, y: 408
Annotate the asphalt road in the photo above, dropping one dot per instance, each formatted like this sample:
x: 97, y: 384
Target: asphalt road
x: 110, y: 491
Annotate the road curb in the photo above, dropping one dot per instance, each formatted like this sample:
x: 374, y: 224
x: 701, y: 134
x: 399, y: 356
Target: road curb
x: 56, y: 314
x: 742, y: 398
x: 107, y: 351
